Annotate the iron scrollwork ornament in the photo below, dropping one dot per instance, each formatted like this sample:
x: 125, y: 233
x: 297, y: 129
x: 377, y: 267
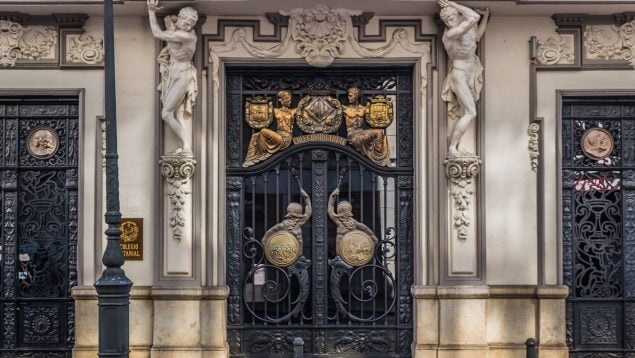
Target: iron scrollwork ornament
x: 276, y: 290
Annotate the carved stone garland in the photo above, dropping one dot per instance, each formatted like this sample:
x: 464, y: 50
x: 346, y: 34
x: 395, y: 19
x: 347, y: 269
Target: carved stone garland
x: 18, y: 42
x: 177, y: 171
x: 461, y: 172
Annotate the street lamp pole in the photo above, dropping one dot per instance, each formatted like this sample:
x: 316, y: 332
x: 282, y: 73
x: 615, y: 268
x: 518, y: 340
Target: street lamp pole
x: 113, y: 287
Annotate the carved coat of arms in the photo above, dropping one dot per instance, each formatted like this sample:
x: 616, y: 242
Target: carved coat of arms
x: 320, y: 33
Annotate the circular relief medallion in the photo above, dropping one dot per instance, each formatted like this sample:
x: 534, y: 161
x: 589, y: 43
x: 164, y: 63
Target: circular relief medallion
x: 357, y: 248
x: 597, y: 143
x: 42, y: 143
x: 282, y: 249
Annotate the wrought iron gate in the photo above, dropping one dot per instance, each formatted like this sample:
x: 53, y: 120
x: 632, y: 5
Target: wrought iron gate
x: 39, y: 137
x: 298, y: 263
x: 598, y: 200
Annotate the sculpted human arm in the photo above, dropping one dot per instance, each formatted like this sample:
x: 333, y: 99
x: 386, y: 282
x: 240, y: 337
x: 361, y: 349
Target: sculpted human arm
x: 367, y: 230
x: 331, y: 206
x: 483, y: 24
x: 470, y: 16
x: 307, y: 207
x: 157, y: 32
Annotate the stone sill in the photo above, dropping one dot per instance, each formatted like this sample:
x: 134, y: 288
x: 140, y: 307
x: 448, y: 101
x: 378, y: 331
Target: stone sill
x: 483, y: 292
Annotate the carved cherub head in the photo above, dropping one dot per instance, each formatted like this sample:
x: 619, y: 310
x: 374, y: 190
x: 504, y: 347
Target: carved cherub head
x: 284, y: 97
x: 353, y: 95
x: 294, y: 210
x: 187, y: 19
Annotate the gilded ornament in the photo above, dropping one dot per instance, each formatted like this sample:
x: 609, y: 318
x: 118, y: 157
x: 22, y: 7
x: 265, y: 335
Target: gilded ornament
x: 319, y: 114
x: 597, y: 143
x: 283, y: 242
x: 357, y: 248
x: 267, y: 142
x: 373, y: 142
x: 355, y: 242
x: 379, y: 112
x: 258, y: 112
x: 282, y: 249
x: 43, y: 143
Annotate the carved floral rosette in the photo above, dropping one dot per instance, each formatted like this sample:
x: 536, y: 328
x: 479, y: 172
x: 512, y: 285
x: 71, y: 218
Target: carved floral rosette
x: 177, y: 171
x: 460, y: 172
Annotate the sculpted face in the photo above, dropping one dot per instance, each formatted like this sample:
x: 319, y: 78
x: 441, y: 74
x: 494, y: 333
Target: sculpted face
x: 344, y: 207
x: 187, y: 19
x: 450, y: 16
x: 353, y: 95
x: 285, y: 98
x: 294, y: 209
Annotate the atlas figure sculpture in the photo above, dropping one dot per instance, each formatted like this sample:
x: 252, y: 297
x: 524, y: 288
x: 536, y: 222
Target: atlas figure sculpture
x: 179, y: 86
x: 464, y: 81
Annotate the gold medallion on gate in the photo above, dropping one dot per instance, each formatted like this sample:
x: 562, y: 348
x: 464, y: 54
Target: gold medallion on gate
x: 379, y: 112
x: 258, y: 112
x: 357, y: 248
x: 282, y: 248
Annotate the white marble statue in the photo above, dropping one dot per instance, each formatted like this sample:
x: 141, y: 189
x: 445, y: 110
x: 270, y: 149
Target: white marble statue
x: 464, y: 81
x: 178, y: 75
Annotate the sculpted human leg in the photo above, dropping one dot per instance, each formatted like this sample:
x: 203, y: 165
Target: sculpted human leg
x: 173, y: 99
x: 468, y: 104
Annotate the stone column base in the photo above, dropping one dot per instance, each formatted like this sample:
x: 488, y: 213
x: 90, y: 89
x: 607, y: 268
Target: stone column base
x: 489, y: 321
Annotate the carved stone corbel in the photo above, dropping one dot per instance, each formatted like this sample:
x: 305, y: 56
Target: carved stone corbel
x: 461, y: 172
x: 178, y: 171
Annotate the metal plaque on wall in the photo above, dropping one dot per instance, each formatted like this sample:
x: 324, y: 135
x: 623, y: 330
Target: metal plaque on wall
x: 132, y: 238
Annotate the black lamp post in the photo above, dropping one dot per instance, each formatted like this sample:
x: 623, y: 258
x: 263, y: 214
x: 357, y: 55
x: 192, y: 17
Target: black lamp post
x: 113, y: 287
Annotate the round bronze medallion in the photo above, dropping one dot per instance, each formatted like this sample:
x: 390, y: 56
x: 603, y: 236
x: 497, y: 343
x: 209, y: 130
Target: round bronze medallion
x: 42, y: 143
x: 282, y: 249
x: 597, y: 143
x: 357, y: 248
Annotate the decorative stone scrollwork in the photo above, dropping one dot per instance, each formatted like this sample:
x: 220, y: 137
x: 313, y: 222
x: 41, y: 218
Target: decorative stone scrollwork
x: 320, y: 35
x: 19, y: 42
x: 534, y: 149
x: 177, y: 171
x: 84, y: 49
x: 556, y: 50
x: 610, y: 42
x: 461, y: 171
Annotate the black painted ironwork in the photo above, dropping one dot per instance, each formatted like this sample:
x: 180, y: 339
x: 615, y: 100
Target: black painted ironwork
x: 598, y: 202
x: 337, y: 310
x: 39, y: 222
x: 113, y: 287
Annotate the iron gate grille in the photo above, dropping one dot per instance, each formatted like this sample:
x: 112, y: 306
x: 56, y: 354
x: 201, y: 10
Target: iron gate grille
x: 598, y: 200
x: 337, y: 309
x: 39, y: 137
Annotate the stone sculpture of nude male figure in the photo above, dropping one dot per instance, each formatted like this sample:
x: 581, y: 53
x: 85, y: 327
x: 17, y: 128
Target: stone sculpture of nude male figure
x: 464, y: 80
x: 178, y: 75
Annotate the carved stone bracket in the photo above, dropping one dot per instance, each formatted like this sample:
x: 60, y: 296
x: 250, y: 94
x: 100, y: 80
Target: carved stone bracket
x: 461, y: 172
x: 534, y: 147
x: 177, y: 171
